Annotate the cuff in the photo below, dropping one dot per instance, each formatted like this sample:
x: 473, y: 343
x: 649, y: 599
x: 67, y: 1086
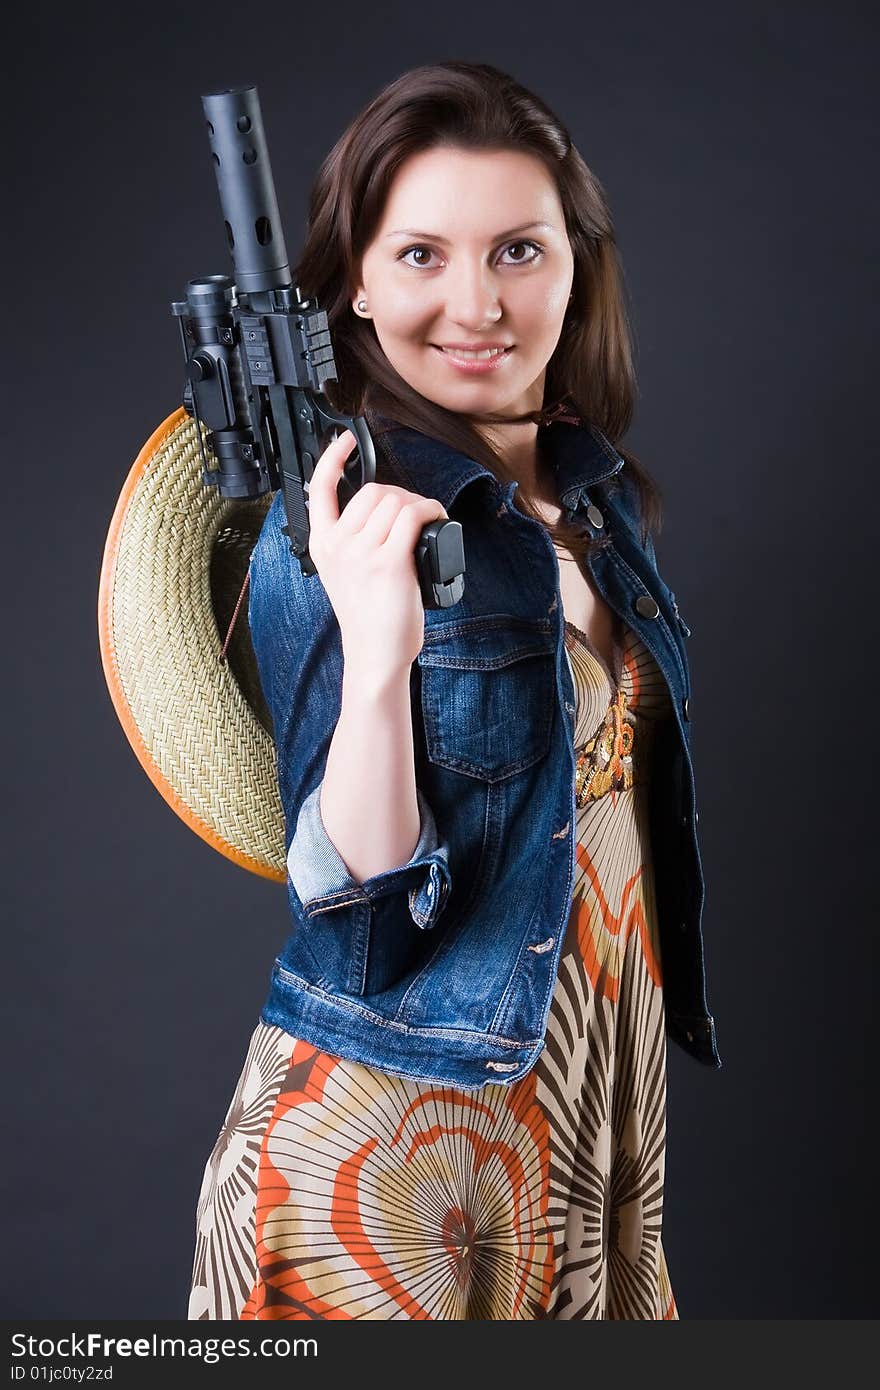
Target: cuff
x: 323, y: 881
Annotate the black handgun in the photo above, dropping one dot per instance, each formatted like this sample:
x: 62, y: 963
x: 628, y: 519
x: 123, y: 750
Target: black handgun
x: 258, y: 355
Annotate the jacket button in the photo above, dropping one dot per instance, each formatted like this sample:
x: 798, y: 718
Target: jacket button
x: 646, y: 606
x: 686, y: 707
x: 543, y: 946
x: 594, y: 516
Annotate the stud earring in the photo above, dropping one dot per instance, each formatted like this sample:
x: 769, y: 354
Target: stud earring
x: 362, y: 305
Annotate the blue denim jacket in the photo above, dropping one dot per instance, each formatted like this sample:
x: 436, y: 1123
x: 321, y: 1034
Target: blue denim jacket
x: 443, y: 968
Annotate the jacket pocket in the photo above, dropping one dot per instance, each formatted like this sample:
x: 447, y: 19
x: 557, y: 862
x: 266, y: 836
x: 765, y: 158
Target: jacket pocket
x: 488, y: 694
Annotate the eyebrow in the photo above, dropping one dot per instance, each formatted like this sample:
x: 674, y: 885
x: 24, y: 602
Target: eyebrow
x: 432, y: 236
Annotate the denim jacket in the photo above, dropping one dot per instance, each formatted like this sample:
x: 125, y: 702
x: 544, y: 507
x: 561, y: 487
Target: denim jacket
x: 442, y: 969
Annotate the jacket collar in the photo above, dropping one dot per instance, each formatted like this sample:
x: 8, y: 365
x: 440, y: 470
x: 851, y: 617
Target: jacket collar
x: 580, y: 454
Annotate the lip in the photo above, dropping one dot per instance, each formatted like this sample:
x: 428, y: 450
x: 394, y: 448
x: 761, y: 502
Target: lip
x: 473, y: 347
x: 471, y: 366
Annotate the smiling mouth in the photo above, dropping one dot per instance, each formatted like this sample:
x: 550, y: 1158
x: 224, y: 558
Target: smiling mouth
x: 473, y: 355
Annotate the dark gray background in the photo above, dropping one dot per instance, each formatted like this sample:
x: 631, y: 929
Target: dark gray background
x: 734, y: 143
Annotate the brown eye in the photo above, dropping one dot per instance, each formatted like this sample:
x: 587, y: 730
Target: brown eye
x: 425, y: 251
x: 414, y: 250
x: 525, y: 260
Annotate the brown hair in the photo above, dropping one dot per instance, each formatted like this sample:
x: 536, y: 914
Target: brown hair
x: 473, y: 106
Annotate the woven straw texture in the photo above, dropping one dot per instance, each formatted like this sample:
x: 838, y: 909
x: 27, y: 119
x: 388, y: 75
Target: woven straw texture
x: 174, y: 564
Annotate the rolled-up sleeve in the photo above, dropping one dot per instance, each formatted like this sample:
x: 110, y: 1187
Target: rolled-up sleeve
x: 324, y: 884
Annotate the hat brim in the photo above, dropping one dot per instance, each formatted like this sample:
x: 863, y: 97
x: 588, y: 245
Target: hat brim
x: 195, y: 731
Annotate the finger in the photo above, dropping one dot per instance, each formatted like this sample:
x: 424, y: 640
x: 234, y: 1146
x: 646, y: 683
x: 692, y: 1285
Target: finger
x: 380, y: 520
x: 323, y: 498
x: 411, y: 519
x: 361, y: 507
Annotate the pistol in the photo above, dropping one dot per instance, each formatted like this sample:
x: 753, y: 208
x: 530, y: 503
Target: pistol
x: 258, y: 355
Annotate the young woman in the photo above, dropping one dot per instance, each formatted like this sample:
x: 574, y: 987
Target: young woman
x: 453, y: 1104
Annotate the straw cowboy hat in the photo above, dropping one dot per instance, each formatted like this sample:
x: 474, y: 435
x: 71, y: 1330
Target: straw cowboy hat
x: 176, y: 648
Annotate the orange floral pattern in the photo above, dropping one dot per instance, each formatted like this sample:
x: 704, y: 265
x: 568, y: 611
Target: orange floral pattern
x: 335, y: 1191
x: 422, y: 1202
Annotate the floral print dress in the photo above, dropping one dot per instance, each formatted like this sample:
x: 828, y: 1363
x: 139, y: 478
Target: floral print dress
x: 338, y: 1191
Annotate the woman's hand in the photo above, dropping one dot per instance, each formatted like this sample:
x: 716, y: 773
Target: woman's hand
x: 365, y: 559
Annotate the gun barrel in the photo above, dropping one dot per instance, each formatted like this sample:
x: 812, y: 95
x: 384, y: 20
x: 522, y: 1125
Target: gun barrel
x: 247, y: 190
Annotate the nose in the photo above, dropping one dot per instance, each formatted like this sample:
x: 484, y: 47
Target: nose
x: 472, y: 297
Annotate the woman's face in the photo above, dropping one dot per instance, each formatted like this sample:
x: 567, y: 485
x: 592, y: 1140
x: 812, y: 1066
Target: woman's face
x: 471, y: 251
